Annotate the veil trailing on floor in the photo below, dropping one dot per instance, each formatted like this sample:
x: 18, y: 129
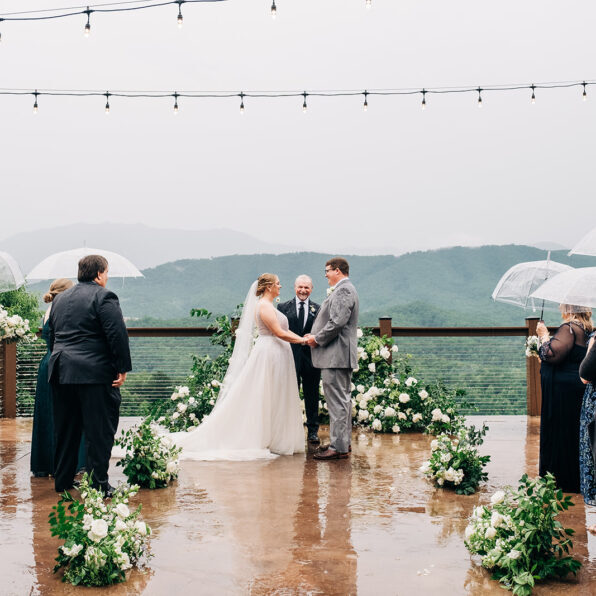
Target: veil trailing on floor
x: 245, y: 336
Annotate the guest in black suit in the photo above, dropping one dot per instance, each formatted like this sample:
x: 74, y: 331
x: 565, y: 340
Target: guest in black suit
x: 301, y: 312
x: 89, y: 362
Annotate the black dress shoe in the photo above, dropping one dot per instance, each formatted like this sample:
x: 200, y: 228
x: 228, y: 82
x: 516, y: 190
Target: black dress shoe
x: 325, y: 447
x: 329, y: 454
x: 313, y: 438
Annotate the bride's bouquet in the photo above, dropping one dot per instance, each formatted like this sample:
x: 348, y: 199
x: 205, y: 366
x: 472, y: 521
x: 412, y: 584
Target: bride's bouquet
x: 533, y: 344
x: 14, y: 328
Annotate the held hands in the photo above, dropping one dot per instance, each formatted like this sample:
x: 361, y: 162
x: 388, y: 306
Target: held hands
x: 119, y: 380
x: 309, y: 340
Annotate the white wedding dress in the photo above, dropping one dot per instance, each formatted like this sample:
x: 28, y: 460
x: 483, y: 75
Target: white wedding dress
x: 261, y: 415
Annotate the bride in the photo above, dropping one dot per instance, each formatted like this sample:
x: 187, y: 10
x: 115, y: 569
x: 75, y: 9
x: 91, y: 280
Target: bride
x: 258, y: 413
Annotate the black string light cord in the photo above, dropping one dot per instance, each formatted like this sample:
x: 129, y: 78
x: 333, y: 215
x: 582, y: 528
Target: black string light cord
x: 242, y: 95
x: 126, y: 6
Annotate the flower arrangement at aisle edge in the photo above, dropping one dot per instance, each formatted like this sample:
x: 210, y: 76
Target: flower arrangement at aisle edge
x: 14, y: 328
x: 151, y: 460
x: 454, y: 462
x: 183, y: 410
x: 533, y: 343
x: 518, y: 536
x: 102, y: 541
x: 386, y: 397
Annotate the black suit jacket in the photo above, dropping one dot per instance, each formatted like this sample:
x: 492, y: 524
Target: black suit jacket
x: 302, y: 354
x: 88, y: 337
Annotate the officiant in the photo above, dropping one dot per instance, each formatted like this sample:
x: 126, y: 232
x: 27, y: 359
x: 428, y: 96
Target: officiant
x: 301, y: 312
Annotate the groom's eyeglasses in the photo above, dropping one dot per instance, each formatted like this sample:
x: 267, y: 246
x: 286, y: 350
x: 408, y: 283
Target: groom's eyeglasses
x: 328, y: 270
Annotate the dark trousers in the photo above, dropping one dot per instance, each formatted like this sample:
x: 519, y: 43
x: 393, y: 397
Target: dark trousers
x: 93, y: 409
x: 309, y: 377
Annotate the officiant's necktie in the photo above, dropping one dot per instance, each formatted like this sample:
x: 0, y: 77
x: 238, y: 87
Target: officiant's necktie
x: 301, y: 315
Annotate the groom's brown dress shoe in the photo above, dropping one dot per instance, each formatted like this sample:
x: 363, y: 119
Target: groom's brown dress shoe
x: 330, y: 454
x: 327, y: 446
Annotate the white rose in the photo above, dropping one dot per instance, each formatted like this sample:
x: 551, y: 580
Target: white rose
x: 376, y: 424
x: 122, y: 510
x: 425, y: 467
x: 411, y: 381
x: 175, y: 415
x: 496, y: 519
x: 385, y: 353
x: 395, y: 428
x: 440, y: 481
x: 362, y: 404
x: 469, y: 531
x: 404, y: 398
x: 490, y: 533
x: 402, y: 416
x: 434, y: 445
x: 141, y: 528
x: 215, y: 383
x: 389, y: 412
x: 372, y: 367
x: 72, y: 552
x: 416, y: 418
x: 377, y: 409
x: 362, y: 415
x: 394, y: 348
x: 360, y: 388
x: 497, y: 497
x: 359, y: 333
x: 172, y: 467
x: 120, y: 525
x: 513, y: 554
x: 174, y: 397
x: 445, y: 419
x: 395, y: 381
x: 183, y: 390
x: 437, y: 415
x: 423, y: 394
x: 191, y: 400
x: 182, y: 408
x: 87, y: 521
x: 446, y: 457
x: 352, y: 386
x: 99, y: 530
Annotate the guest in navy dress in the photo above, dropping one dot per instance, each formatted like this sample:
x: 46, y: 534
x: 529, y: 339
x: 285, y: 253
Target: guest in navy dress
x: 562, y: 392
x: 42, y: 440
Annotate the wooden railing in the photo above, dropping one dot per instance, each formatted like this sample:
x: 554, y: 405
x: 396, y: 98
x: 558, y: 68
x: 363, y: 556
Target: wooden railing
x: 8, y: 353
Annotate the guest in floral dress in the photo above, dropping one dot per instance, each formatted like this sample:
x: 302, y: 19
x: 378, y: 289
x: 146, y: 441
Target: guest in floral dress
x: 562, y: 392
x: 587, y: 371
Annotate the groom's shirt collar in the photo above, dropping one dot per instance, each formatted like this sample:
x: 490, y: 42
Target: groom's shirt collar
x: 297, y: 300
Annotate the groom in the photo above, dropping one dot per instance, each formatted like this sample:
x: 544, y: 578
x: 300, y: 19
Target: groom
x: 333, y: 342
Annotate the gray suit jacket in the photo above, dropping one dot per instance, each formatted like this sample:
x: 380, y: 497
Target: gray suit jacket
x: 335, y: 329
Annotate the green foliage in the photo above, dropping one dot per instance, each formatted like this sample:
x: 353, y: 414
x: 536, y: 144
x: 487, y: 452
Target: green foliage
x: 454, y: 461
x: 150, y: 460
x: 519, y: 538
x: 101, y: 541
x: 23, y: 303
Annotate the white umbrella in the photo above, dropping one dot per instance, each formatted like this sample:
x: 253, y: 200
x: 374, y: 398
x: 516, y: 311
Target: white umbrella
x: 586, y: 246
x: 66, y: 264
x: 11, y: 277
x: 576, y: 287
x: 518, y: 282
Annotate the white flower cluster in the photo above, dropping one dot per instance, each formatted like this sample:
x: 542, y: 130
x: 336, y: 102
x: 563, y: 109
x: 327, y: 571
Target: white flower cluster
x: 533, y: 344
x: 108, y: 536
x: 14, y: 328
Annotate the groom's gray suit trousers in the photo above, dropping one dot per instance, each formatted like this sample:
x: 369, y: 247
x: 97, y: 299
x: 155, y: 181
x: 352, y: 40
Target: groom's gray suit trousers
x: 336, y: 387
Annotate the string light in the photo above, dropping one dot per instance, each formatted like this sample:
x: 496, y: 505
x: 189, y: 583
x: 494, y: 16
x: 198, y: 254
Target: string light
x: 175, y: 103
x: 180, y: 17
x: 88, y: 25
x: 107, y: 94
x: 584, y: 94
x: 327, y: 93
x: 35, y: 107
x: 273, y: 9
x: 533, y: 98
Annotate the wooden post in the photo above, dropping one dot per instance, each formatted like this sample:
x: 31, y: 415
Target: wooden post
x: 533, y: 389
x: 8, y: 363
x: 385, y: 330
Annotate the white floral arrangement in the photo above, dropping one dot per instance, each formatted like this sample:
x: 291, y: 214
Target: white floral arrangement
x: 102, y: 541
x: 14, y: 328
x: 518, y: 536
x: 185, y: 411
x: 151, y: 459
x: 386, y: 397
x: 454, y: 461
x: 533, y: 344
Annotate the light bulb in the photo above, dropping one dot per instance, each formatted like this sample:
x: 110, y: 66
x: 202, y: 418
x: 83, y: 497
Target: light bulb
x: 423, y: 100
x: 584, y: 94
x: 88, y: 25
x: 533, y: 98
x: 35, y: 108
x: 365, y: 105
x: 87, y: 29
x: 175, y: 108
x: 180, y: 17
x: 107, y: 107
x: 273, y: 9
x: 241, y: 103
x: 479, y: 99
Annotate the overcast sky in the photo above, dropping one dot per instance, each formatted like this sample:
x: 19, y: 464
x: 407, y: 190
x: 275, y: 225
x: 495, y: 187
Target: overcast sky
x: 394, y: 177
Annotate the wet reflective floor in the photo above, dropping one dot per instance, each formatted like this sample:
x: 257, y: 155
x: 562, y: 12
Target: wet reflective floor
x: 368, y: 525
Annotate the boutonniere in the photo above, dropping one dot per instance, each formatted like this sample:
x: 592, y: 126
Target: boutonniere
x: 330, y: 291
x: 312, y: 309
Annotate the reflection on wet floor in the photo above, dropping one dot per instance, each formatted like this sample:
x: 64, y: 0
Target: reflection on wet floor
x: 368, y: 525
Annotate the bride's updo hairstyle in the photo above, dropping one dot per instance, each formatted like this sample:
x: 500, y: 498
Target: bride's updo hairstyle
x: 265, y: 281
x: 57, y: 287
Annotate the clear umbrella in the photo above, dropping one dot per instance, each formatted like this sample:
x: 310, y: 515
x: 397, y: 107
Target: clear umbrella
x: 518, y: 283
x: 586, y: 246
x: 11, y: 277
x: 576, y: 287
x: 65, y: 264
